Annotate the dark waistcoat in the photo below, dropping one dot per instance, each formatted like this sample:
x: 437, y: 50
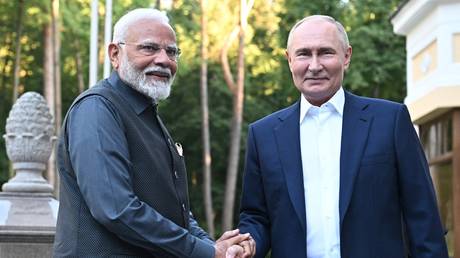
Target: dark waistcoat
x: 158, y: 176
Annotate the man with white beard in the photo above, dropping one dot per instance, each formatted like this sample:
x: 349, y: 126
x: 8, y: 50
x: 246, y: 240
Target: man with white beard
x: 123, y: 180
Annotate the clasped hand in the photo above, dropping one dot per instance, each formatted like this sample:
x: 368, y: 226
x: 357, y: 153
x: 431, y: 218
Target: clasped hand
x: 232, y: 244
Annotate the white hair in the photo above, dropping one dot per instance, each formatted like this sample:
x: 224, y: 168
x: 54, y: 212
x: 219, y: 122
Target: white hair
x: 121, y: 26
x: 342, y: 32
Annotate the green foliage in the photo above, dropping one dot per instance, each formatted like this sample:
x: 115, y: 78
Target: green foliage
x: 377, y: 70
x: 378, y: 60
x: 35, y: 16
x: 377, y: 67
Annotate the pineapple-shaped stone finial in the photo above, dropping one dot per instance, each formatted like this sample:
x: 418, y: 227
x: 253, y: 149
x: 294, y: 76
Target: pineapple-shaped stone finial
x: 29, y: 141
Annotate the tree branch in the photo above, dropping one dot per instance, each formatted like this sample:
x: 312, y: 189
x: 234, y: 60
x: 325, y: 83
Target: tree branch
x: 228, y: 76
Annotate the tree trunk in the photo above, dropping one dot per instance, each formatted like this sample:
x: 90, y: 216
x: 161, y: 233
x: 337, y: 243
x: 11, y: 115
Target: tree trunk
x: 52, y: 84
x: 207, y: 190
x: 17, y: 60
x: 48, y: 73
x: 376, y: 91
x: 57, y: 63
x: 3, y: 87
x: 3, y: 77
x: 237, y: 121
x: 79, y: 65
x: 48, y: 87
x: 54, y: 177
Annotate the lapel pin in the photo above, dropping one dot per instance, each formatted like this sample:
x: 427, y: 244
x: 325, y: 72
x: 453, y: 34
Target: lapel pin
x: 179, y: 149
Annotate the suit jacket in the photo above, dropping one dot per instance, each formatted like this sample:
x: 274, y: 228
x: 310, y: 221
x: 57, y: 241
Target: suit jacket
x: 386, y: 193
x: 123, y: 183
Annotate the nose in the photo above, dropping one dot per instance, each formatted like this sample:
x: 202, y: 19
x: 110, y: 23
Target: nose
x: 162, y: 59
x: 315, y: 64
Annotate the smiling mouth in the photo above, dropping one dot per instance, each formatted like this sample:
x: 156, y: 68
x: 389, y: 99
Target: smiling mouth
x: 315, y: 78
x: 158, y: 74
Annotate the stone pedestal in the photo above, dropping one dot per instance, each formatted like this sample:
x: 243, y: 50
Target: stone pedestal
x: 28, y: 211
x: 27, y: 224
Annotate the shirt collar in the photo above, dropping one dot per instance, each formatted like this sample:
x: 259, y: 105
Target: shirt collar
x: 138, y: 101
x: 337, y: 102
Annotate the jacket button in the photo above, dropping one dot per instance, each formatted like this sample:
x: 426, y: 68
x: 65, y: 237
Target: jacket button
x: 175, y: 174
x: 183, y: 206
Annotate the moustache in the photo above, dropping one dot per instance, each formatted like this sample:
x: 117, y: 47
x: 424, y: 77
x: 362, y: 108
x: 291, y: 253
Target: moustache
x: 158, y: 71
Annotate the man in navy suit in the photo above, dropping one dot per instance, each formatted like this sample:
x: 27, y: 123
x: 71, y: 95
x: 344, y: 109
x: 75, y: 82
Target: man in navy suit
x: 336, y: 175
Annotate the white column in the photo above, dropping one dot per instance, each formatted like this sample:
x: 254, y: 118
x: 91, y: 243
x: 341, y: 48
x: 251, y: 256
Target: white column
x: 93, y: 63
x: 107, y: 36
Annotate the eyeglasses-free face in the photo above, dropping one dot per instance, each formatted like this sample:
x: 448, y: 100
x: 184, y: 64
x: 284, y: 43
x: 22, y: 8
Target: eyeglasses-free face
x: 318, y: 59
x: 150, y: 49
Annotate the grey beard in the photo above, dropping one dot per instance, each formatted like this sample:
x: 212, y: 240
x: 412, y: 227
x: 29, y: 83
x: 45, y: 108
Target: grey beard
x: 156, y: 90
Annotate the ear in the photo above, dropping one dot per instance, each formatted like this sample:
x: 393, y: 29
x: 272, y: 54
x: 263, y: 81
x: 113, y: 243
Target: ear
x: 288, y: 57
x: 114, y: 55
x: 348, y: 57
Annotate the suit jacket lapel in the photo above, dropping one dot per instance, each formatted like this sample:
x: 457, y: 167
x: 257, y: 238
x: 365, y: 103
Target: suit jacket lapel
x: 355, y: 128
x: 288, y: 141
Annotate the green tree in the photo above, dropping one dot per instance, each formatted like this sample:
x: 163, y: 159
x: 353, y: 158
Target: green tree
x: 378, y: 60
x: 377, y: 67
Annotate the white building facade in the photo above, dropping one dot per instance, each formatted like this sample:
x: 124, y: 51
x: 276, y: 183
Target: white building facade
x: 432, y: 31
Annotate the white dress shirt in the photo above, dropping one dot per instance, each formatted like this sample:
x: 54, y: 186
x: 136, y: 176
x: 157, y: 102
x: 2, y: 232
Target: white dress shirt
x: 320, y: 141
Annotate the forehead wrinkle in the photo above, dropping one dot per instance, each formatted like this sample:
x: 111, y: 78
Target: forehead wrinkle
x: 329, y: 35
x: 305, y: 38
x: 155, y: 42
x: 147, y: 29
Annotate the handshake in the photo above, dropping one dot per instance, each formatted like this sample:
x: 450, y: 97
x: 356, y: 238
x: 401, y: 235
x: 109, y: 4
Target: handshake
x: 232, y: 244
